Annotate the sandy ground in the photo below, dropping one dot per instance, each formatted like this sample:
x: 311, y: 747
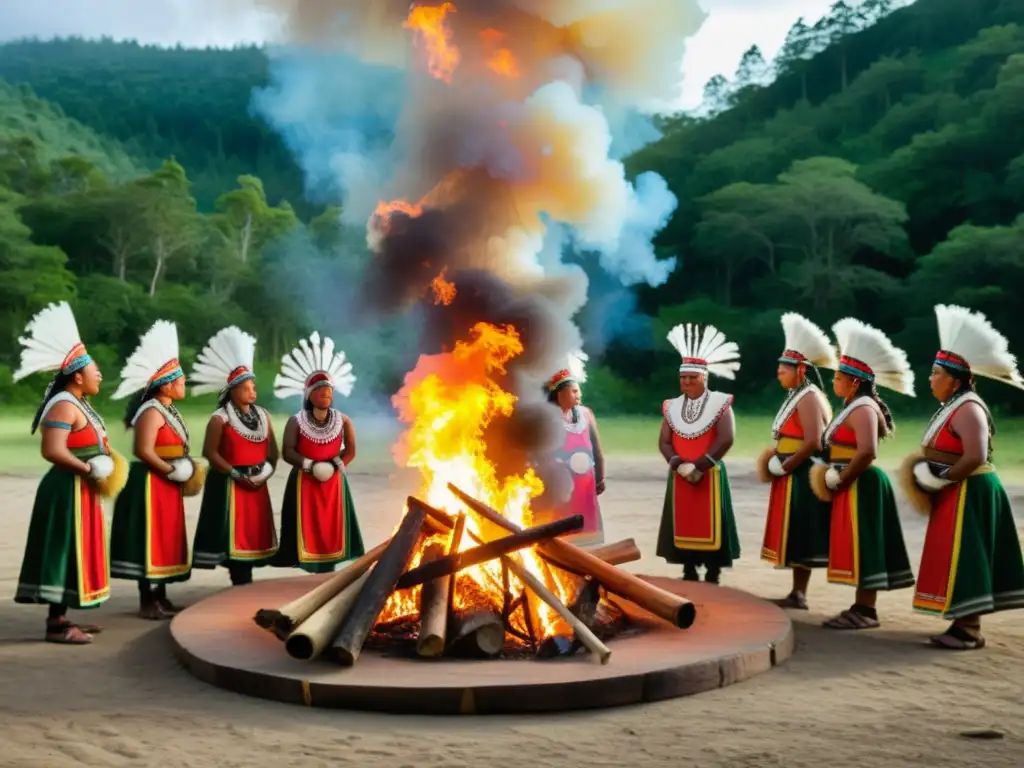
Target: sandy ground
x: 880, y: 698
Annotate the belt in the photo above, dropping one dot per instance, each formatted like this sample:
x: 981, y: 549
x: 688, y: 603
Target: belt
x: 788, y: 445
x: 937, y: 467
x: 840, y: 454
x: 170, y: 451
x: 250, y: 470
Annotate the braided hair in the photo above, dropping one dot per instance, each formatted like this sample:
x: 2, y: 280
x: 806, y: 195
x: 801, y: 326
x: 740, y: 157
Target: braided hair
x: 866, y: 388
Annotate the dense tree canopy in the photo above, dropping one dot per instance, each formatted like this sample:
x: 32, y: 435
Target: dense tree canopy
x: 875, y: 168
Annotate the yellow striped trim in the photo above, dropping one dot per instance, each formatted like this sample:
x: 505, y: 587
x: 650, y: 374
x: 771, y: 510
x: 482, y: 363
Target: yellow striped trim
x: 704, y: 545
x: 788, y: 445
x: 841, y: 453
x: 170, y: 451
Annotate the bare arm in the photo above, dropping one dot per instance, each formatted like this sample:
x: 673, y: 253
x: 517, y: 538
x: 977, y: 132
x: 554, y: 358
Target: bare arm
x: 348, y: 432
x: 665, y: 445
x: 146, y: 427
x: 290, y: 442
x: 595, y: 441
x: 970, y: 424
x: 812, y: 421
x: 55, y: 438
x: 725, y: 434
x: 864, y: 423
x: 273, y: 454
x: 211, y: 445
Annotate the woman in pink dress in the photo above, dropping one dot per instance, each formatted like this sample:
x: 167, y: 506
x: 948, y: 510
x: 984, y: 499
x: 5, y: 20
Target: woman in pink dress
x: 577, y: 473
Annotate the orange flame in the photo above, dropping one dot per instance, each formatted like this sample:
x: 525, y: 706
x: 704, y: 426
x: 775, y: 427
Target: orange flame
x: 444, y: 291
x: 385, y: 209
x: 428, y: 22
x: 500, y: 59
x: 448, y: 400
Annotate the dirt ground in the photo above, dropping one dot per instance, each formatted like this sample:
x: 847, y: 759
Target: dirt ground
x: 880, y: 698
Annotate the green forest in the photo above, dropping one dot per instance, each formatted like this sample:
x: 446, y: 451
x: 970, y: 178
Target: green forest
x: 874, y: 168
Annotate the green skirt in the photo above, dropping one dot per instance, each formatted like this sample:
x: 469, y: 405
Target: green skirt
x: 235, y: 525
x: 322, y: 554
x: 697, y: 523
x: 148, y: 540
x: 797, y: 529
x: 866, y: 547
x: 65, y: 560
x: 971, y: 563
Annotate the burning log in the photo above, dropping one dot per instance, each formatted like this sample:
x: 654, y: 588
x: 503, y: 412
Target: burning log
x: 588, y: 638
x: 450, y: 564
x: 380, y: 584
x: 477, y: 633
x: 433, y: 608
x: 677, y: 610
x: 584, y: 607
x: 308, y: 641
x: 283, y: 621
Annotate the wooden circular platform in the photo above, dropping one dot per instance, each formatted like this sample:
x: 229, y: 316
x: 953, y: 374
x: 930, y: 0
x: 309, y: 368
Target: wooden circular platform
x: 735, y: 636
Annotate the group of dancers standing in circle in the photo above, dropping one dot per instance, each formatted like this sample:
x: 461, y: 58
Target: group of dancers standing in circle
x: 830, y: 506
x: 68, y: 562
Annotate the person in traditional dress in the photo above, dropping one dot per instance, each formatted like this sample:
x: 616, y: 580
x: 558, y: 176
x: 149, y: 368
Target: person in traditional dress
x: 796, y: 531
x: 148, y: 540
x: 971, y: 564
x: 319, y: 528
x: 236, y: 521
x: 866, y: 548
x: 580, y: 459
x: 65, y: 563
x: 697, y: 523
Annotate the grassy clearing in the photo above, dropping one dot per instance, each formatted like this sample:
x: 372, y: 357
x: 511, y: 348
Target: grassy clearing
x: 622, y: 436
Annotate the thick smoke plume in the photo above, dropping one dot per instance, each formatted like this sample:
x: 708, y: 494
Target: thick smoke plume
x: 501, y: 143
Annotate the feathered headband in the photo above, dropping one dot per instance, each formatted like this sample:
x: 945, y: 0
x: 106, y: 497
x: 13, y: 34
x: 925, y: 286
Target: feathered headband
x: 806, y: 343
x: 225, y: 362
x: 575, y: 370
x: 312, y: 365
x: 705, y: 353
x: 153, y: 363
x: 868, y: 354
x: 52, y: 343
x: 971, y: 345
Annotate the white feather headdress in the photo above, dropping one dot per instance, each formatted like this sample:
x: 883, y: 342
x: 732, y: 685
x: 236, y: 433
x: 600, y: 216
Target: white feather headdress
x: 575, y: 370
x: 155, y: 358
x: 868, y: 346
x: 310, y: 360
x: 576, y: 362
x: 705, y: 352
x: 52, y: 343
x: 225, y: 361
x: 971, y: 337
x: 808, y: 341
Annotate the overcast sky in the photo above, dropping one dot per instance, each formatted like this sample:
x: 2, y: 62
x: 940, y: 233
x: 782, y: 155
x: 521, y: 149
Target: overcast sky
x: 732, y: 27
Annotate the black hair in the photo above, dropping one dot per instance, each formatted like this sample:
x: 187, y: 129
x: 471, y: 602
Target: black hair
x: 135, y: 402
x: 223, y: 398
x: 867, y: 388
x: 553, y: 393
x: 57, y: 385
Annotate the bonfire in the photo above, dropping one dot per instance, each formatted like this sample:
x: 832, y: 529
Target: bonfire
x: 468, y: 570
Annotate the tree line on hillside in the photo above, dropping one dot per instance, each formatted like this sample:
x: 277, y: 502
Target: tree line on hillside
x: 875, y: 176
